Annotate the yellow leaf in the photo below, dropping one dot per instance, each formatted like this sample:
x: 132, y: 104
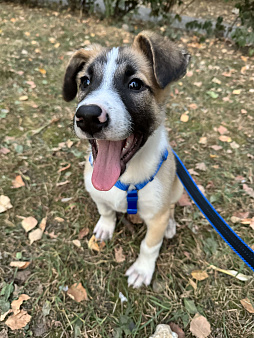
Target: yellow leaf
x: 199, y: 275
x: 27, y: 33
x: 57, y: 45
x: 23, y: 98
x: 52, y: 40
x: 93, y: 244
x: 237, y: 91
x: 42, y: 71
x: 184, y: 117
x: 77, y: 292
x: 224, y: 138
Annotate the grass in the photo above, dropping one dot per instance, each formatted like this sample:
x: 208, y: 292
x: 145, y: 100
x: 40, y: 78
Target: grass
x: 37, y: 40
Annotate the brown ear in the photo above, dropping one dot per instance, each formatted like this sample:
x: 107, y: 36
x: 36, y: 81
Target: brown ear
x: 76, y: 64
x: 168, y: 62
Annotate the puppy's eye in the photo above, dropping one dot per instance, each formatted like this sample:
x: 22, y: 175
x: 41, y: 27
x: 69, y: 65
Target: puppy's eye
x: 135, y: 84
x: 85, y: 82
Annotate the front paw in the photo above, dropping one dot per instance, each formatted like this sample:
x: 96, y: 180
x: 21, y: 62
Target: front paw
x: 141, y: 272
x: 104, y: 229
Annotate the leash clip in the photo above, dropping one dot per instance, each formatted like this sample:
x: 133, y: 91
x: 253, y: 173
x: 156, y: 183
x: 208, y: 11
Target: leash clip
x: 132, y: 202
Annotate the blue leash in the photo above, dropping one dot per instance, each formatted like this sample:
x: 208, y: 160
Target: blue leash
x: 218, y: 223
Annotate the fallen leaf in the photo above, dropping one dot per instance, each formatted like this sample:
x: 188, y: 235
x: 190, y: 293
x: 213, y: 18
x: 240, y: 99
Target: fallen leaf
x: 18, y: 321
x: 64, y: 168
x: 18, y: 182
x: 77, y: 292
x: 215, y: 80
x: 199, y: 275
x: 83, y: 232
x: 31, y: 84
x: 175, y: 328
x: 52, y: 40
x: 134, y: 219
x: 51, y: 234
x: 243, y: 70
x: 248, y: 190
x: 201, y: 166
x: 59, y: 184
x: 77, y: 243
x: 243, y: 111
x: 235, y: 219
x: 193, y: 172
x: 212, y: 94
x: 184, y: 117
x: 232, y: 273
x: 224, y: 138
x: 23, y: 98
x: 222, y: 130
x: 193, y: 284
x: 57, y: 45
x: 200, y: 326
x: 29, y: 223
x: 15, y: 305
x: 203, y: 140
x: 193, y: 106
x: 93, y: 244
x: 42, y: 225
x: 184, y: 200
x: 119, y: 256
x: 5, y: 203
x: 189, y: 73
x: 246, y: 221
x: 197, y: 84
x: 35, y: 235
x: 19, y: 264
x: 244, y: 58
x: 69, y: 143
x: 246, y: 303
x: 237, y: 91
x: 4, y: 150
x: 227, y: 74
x: 3, y: 316
x: 42, y: 71
x: 59, y: 219
x: 215, y: 147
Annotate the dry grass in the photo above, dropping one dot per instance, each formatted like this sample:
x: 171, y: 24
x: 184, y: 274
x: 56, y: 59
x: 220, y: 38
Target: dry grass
x: 29, y: 41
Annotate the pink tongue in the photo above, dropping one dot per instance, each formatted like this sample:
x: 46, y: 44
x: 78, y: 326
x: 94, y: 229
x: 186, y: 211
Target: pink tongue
x: 107, y: 167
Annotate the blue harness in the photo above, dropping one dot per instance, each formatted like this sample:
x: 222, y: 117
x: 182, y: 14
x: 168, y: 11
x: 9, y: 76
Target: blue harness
x: 223, y: 229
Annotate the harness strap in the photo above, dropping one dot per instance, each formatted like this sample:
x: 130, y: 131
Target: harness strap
x: 218, y: 223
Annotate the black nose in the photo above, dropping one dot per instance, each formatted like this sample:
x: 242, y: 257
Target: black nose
x: 87, y: 118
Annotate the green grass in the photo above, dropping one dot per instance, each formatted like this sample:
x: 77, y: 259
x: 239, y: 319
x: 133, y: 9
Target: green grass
x: 57, y: 262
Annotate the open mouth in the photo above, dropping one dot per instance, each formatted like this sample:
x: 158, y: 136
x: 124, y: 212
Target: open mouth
x: 110, y: 159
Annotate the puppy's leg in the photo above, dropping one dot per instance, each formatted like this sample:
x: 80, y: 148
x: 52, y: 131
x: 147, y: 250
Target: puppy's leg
x: 106, y: 225
x: 171, y: 228
x: 141, y: 271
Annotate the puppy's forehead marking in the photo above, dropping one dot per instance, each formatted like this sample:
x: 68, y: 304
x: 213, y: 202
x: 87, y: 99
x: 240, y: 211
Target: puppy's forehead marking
x: 110, y: 67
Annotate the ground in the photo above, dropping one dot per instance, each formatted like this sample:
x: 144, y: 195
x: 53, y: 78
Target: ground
x: 37, y: 143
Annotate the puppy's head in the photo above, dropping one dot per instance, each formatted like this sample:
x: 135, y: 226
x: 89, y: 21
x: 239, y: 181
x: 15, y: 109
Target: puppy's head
x: 121, y: 93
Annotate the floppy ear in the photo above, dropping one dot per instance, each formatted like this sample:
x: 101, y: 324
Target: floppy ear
x: 76, y: 64
x: 168, y: 62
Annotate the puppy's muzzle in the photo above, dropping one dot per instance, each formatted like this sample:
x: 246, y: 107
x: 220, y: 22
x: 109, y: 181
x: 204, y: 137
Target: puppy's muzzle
x: 91, y: 119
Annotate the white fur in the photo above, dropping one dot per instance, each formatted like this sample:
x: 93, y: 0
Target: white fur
x: 109, y: 100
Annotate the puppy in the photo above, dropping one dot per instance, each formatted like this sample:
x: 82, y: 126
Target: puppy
x: 121, y: 110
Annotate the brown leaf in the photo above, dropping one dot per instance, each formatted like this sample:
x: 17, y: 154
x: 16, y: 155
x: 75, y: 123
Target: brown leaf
x: 15, y: 305
x: 18, y: 182
x: 222, y: 130
x: 18, y: 321
x: 5, y: 203
x: 175, y: 328
x: 193, y: 106
x: 248, y: 190
x: 200, y: 327
x: 77, y: 243
x: 35, y: 235
x: 197, y: 84
x: 19, y: 264
x: 77, y: 292
x: 119, y: 256
x: 203, y: 140
x: 42, y: 71
x: 184, y: 201
x: 193, y: 172
x: 59, y: 219
x: 199, y: 275
x: 23, y: 98
x: 4, y: 150
x: 134, y: 219
x: 201, y: 166
x: 246, y: 303
x: 29, y: 223
x: 83, y: 232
